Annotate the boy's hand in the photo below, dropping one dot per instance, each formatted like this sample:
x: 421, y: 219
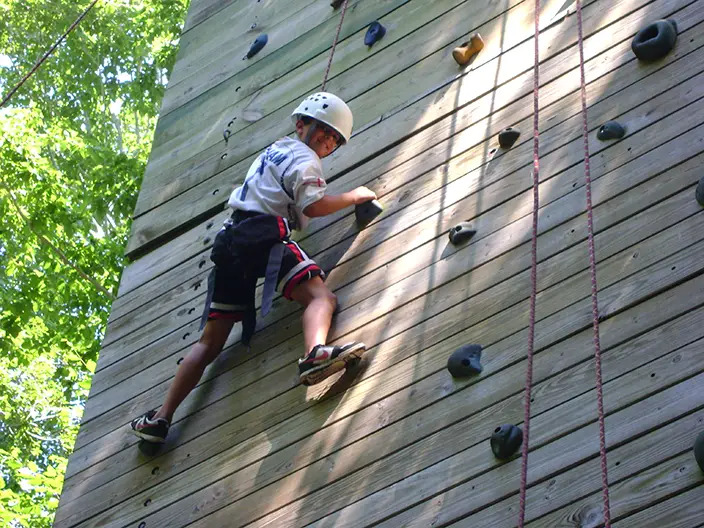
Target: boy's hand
x: 363, y: 194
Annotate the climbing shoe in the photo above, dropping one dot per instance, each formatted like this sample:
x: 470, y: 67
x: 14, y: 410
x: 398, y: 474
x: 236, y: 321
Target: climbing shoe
x: 149, y: 429
x: 324, y: 360
x: 464, y: 52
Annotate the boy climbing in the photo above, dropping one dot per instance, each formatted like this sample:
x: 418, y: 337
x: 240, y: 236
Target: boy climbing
x: 283, y: 188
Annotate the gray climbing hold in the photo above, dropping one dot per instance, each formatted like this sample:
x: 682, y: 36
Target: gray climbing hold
x: 465, y: 361
x: 699, y: 450
x: 257, y: 45
x: 611, y: 130
x: 700, y: 192
x: 508, y: 136
x: 655, y: 40
x: 367, y: 211
x: 506, y: 440
x: 461, y: 233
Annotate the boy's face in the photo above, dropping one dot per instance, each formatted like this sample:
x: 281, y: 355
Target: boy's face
x: 324, y: 139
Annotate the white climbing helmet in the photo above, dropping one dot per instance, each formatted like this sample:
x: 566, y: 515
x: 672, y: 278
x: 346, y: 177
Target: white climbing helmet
x: 329, y: 109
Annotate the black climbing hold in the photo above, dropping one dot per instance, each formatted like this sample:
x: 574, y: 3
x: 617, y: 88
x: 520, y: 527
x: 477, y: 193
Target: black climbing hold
x: 506, y: 440
x: 700, y: 192
x: 508, y: 136
x: 367, y: 211
x: 465, y: 361
x: 148, y: 448
x: 655, y: 40
x: 257, y: 45
x: 611, y: 130
x: 461, y: 233
x: 336, y: 3
x: 375, y: 32
x: 699, y: 450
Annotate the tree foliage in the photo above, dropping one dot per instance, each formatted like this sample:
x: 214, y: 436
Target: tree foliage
x: 74, y: 142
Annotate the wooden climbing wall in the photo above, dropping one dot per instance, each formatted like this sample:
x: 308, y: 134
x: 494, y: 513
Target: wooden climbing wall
x: 399, y: 442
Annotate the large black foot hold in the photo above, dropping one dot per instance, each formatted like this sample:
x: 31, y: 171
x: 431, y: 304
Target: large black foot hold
x: 375, y: 32
x: 149, y: 448
x: 465, y: 361
x: 699, y: 450
x: 610, y: 130
x: 506, y: 440
x: 367, y: 211
x: 699, y: 194
x: 655, y: 41
x: 461, y: 233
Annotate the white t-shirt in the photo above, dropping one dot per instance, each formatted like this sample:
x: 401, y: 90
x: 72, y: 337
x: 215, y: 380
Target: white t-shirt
x: 285, y: 179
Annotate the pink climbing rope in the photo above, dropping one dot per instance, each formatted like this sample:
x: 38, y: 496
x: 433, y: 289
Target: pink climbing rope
x: 592, y: 270
x: 533, y: 272
x: 334, y: 44
x: 46, y: 55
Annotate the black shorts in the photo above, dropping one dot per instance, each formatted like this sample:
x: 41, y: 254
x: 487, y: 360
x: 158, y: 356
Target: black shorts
x: 241, y: 253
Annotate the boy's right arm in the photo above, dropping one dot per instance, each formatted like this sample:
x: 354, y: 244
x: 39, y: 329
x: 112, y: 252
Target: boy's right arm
x: 332, y: 203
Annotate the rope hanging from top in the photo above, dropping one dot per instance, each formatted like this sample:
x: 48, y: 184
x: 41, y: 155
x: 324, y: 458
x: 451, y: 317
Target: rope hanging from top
x: 592, y: 269
x: 533, y: 271
x: 592, y: 272
x: 47, y: 54
x: 334, y: 44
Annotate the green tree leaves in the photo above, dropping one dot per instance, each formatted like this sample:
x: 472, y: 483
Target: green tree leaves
x: 73, y: 146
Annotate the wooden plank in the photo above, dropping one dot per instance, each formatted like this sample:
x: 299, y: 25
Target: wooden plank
x: 518, y: 205
x: 366, y: 108
x: 200, y: 197
x: 683, y: 511
x: 669, y: 212
x: 384, y: 183
x: 624, y: 357
x: 496, y: 243
x: 566, y: 451
x: 664, y: 452
x: 634, y: 495
x: 132, y: 480
x: 199, y: 11
x: 231, y: 32
x: 407, y: 172
x: 211, y: 81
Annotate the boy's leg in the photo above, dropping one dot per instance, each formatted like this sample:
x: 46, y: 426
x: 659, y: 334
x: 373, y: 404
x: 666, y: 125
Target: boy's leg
x: 319, y: 303
x: 191, y: 368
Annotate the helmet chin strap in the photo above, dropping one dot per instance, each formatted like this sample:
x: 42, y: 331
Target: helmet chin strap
x: 311, y: 130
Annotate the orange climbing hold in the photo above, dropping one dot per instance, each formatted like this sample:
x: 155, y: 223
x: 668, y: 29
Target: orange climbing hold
x: 464, y: 52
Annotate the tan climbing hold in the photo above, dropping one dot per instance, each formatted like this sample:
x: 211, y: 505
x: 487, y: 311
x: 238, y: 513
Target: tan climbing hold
x: 464, y: 53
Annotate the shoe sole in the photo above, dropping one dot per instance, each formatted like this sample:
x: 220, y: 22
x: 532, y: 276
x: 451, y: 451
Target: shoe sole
x: 318, y: 374
x: 149, y: 438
